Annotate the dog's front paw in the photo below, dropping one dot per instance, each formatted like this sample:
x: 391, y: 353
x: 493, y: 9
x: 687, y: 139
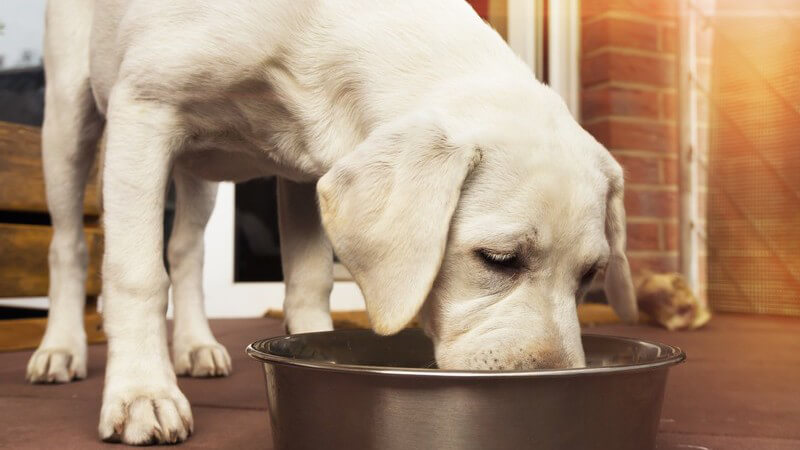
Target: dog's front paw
x: 206, y: 360
x: 143, y: 416
x: 57, y: 364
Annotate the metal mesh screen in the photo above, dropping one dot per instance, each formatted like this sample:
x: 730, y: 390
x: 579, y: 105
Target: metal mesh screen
x: 754, y: 160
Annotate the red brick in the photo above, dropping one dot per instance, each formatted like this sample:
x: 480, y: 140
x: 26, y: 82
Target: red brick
x: 594, y: 103
x: 594, y: 35
x: 669, y: 39
x: 591, y: 9
x: 654, y: 263
x: 669, y: 106
x: 672, y: 236
x: 481, y: 7
x: 627, y: 135
x: 643, y: 135
x: 643, y: 236
x: 648, y: 203
x: 617, y: 32
x: 670, y: 171
x: 639, y: 170
x: 613, y: 65
x: 600, y: 131
x: 619, y: 101
x: 595, y: 69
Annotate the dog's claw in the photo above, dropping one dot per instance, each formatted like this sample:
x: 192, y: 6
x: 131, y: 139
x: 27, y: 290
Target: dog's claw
x: 56, y: 365
x: 203, y: 361
x: 159, y: 418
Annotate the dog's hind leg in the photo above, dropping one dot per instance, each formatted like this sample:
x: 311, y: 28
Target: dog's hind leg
x: 307, y: 259
x: 195, y: 352
x: 71, y: 130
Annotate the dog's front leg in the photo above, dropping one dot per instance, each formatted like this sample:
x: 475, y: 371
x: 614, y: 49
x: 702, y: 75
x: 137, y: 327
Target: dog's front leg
x: 70, y: 133
x: 306, y: 257
x: 195, y: 352
x: 141, y: 400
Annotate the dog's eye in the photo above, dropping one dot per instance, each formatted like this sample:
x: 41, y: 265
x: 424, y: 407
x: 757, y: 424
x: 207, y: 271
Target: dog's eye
x: 499, y: 260
x: 588, y: 275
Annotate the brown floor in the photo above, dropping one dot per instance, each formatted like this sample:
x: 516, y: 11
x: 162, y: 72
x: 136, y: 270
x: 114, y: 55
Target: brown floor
x: 739, y: 389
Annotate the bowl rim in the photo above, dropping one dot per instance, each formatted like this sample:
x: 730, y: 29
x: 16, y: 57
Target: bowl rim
x: 674, y: 355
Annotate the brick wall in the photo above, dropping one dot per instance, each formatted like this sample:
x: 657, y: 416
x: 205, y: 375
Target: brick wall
x: 628, y: 77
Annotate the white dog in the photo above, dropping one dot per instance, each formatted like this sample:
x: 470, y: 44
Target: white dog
x: 449, y: 181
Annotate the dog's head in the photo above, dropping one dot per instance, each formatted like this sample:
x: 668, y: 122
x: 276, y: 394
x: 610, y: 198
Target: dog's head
x: 490, y: 230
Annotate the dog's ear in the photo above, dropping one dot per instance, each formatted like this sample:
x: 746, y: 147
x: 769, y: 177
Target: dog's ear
x: 618, y: 283
x: 386, y: 208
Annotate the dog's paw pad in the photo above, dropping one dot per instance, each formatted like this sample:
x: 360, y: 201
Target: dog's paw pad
x: 204, y: 361
x: 56, y: 365
x: 146, y: 420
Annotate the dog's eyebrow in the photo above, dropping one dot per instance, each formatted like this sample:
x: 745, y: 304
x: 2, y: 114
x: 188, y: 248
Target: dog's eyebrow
x: 511, y: 242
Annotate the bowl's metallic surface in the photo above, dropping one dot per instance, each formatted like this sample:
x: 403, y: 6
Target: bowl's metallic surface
x: 351, y: 389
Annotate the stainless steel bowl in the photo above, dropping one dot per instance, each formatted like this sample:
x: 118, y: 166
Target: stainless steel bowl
x: 352, y: 389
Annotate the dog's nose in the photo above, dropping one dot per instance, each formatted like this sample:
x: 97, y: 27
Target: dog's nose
x: 548, y: 359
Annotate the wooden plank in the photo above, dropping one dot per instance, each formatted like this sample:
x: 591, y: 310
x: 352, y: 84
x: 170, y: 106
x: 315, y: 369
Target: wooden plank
x: 24, y: 334
x: 22, y: 186
x: 23, y: 259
